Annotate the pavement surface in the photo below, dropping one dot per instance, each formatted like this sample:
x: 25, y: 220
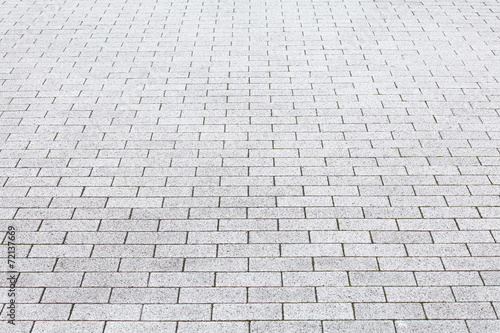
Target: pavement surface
x: 250, y: 166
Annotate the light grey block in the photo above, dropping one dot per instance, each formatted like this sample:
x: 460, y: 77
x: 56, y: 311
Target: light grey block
x: 318, y: 311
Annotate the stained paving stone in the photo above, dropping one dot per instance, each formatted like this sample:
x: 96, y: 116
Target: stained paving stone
x: 251, y: 166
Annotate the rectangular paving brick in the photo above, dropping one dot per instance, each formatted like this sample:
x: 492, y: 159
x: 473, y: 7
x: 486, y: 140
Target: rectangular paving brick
x: 318, y: 311
x: 247, y: 312
x: 174, y: 312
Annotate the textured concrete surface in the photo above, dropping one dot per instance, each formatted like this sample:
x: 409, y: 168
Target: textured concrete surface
x: 251, y: 166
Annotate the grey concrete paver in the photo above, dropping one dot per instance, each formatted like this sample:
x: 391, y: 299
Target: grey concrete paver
x: 251, y: 166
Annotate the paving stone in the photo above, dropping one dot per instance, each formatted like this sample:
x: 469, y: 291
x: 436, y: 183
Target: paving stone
x: 94, y: 312
x: 352, y: 326
x: 350, y: 294
x: 389, y: 311
x: 212, y: 326
x: 249, y: 279
x: 345, y: 264
x: 174, y: 312
x: 486, y: 326
x: 419, y: 294
x: 247, y: 312
x: 73, y: 326
x: 430, y: 325
x: 410, y: 264
x: 448, y: 278
x: 181, y: 279
x: 285, y: 326
x: 382, y: 279
x: 314, y: 279
x: 459, y: 311
x: 143, y: 295
x: 121, y: 326
x: 318, y: 311
x: 212, y: 295
x: 50, y: 312
x: 281, y: 295
x: 76, y: 295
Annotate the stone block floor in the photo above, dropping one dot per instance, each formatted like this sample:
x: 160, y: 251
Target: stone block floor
x: 294, y: 166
